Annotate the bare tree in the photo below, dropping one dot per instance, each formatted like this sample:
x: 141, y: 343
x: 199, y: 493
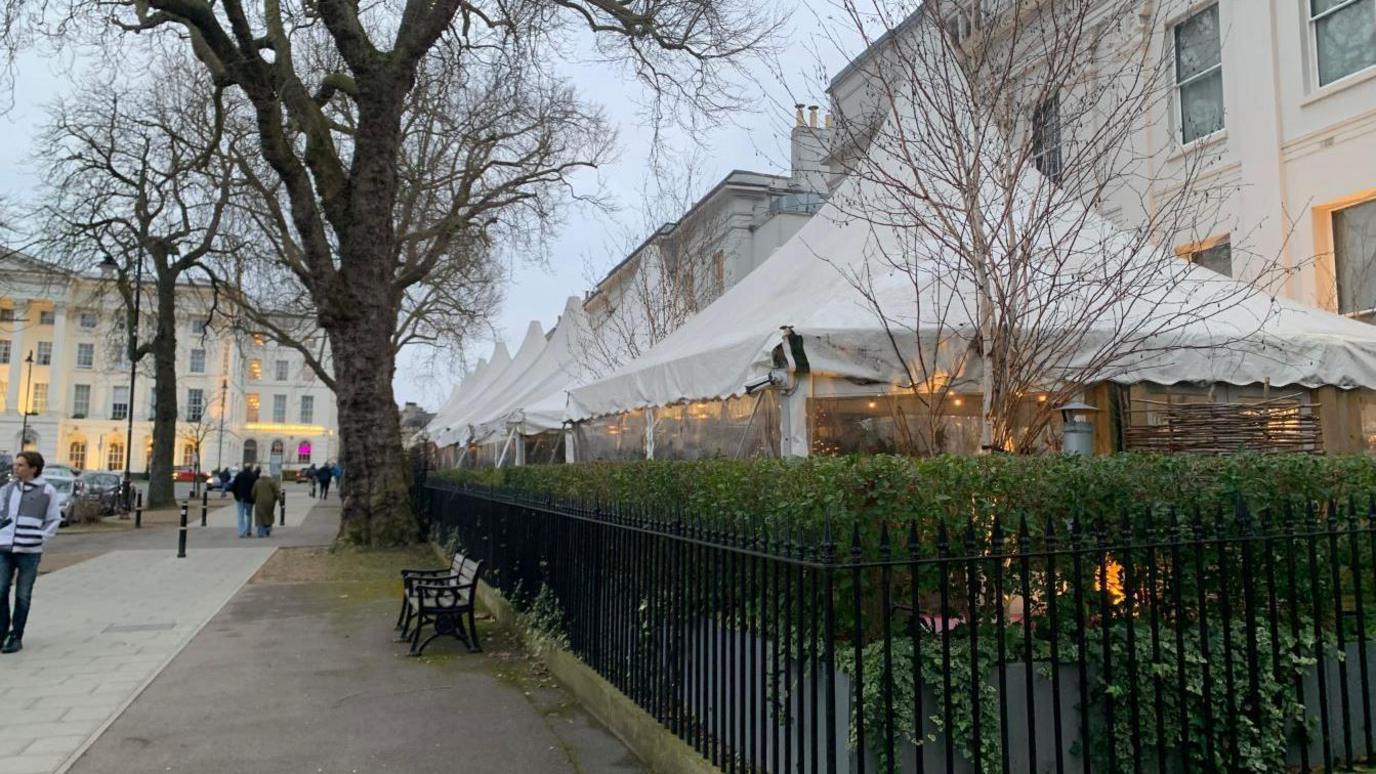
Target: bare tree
x: 131, y: 182
x: 668, y: 265
x: 987, y: 138
x: 341, y: 179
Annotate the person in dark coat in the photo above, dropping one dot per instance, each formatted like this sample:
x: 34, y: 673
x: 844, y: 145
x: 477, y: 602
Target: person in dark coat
x: 309, y: 473
x: 242, y: 489
x: 323, y: 476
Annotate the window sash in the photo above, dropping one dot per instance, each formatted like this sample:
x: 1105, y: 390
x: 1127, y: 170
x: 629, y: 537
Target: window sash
x: 1338, y: 6
x: 85, y: 355
x: 81, y: 400
x: 197, y: 361
x: 1317, y: 20
x: 279, y: 409
x: 44, y: 355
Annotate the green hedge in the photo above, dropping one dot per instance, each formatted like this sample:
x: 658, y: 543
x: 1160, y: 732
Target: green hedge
x: 788, y: 493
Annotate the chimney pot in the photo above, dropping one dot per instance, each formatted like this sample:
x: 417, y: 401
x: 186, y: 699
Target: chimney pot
x: 812, y: 116
x: 798, y: 116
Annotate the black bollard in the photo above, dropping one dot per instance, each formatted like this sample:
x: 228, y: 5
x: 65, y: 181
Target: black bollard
x: 138, y: 511
x: 181, y: 535
x: 205, y: 505
x: 282, y: 510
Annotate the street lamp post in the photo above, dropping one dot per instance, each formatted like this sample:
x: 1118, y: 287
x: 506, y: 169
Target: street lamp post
x: 107, y: 267
x: 28, y: 405
x: 220, y: 447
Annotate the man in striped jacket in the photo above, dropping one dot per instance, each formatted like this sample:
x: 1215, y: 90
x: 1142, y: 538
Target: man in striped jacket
x: 29, y: 516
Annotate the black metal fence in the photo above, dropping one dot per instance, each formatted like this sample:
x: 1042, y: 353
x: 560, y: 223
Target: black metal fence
x: 1215, y: 640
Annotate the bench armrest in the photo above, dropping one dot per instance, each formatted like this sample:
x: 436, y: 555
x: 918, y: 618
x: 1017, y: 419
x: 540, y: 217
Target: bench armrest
x: 424, y: 573
x: 445, y: 581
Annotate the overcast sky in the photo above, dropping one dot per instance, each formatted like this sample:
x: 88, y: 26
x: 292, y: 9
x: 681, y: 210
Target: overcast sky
x: 755, y: 140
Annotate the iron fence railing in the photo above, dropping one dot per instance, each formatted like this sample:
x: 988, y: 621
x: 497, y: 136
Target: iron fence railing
x: 1212, y: 640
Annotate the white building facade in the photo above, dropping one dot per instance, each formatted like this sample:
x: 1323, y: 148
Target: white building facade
x: 241, y: 399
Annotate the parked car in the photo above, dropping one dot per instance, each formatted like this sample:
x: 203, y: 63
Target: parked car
x: 65, y: 486
x: 52, y: 469
x: 102, y: 486
x: 188, y: 473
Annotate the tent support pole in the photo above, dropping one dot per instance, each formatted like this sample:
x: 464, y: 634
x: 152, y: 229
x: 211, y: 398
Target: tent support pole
x: 794, y: 435
x: 649, y: 433
x: 569, y: 456
x: 505, y: 447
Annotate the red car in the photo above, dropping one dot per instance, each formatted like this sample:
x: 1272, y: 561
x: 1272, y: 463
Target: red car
x: 185, y: 473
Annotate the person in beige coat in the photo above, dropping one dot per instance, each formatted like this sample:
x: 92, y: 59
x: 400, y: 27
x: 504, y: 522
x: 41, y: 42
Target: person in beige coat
x: 266, y: 492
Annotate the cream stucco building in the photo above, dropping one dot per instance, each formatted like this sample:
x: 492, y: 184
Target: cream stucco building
x: 242, y: 398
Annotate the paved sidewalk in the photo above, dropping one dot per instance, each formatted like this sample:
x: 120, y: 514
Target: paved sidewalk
x: 100, y: 631
x: 300, y: 673
x: 103, y: 627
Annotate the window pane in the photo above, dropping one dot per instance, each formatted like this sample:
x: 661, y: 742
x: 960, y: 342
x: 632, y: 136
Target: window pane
x: 252, y: 401
x: 197, y: 361
x: 1046, y: 139
x: 1317, y: 7
x: 1346, y: 41
x: 85, y: 355
x: 255, y: 369
x: 1197, y: 44
x: 38, y: 401
x: 282, y: 370
x: 279, y: 408
x: 307, y: 409
x: 1201, y: 107
x: 88, y: 320
x: 1354, y: 257
x: 119, y: 403
x: 4, y: 350
x: 47, y: 317
x: 45, y: 353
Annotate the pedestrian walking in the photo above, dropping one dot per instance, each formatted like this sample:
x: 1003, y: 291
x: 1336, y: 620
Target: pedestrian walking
x: 29, y: 517
x: 323, y: 477
x: 309, y: 473
x: 338, y: 474
x: 225, y: 478
x: 242, y: 489
x: 266, y: 492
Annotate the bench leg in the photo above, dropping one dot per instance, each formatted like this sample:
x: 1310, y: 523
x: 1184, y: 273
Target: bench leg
x: 474, y: 645
x: 405, y: 634
x: 401, y: 614
x: 419, y: 623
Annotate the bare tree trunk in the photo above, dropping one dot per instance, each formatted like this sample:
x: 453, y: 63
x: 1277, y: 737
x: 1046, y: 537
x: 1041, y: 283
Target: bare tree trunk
x: 376, y: 508
x: 164, y: 351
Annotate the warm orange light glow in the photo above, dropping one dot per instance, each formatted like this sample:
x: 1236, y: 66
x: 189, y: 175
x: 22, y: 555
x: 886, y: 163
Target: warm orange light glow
x: 1110, y: 578
x: 872, y: 404
x: 958, y: 402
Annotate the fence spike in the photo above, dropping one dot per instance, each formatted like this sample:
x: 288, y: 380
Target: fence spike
x: 912, y: 538
x: 884, y: 548
x: 855, y: 541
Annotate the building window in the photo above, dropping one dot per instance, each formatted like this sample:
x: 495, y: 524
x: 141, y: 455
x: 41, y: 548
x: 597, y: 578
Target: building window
x: 1046, y: 138
x: 307, y: 409
x: 87, y: 321
x: 259, y: 340
x: 197, y: 361
x: 1354, y: 258
x: 303, y: 452
x: 7, y: 314
x: 38, y: 399
x: 283, y: 370
x: 1344, y: 37
x: 76, y: 454
x: 188, y: 454
x: 1199, y: 75
x: 85, y: 355
x: 5, y: 351
x: 119, y: 403
x: 114, y: 456
x: 1217, y: 257
x: 81, y: 401
x: 276, y: 452
x: 279, y: 409
x: 251, y: 400
x: 47, y: 317
x: 45, y: 353
x: 250, y: 451
x: 255, y: 370
x: 198, y: 326
x: 195, y: 404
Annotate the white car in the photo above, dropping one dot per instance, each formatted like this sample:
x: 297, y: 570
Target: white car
x: 65, y: 484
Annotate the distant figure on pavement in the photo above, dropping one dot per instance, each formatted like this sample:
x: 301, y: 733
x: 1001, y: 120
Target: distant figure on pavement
x: 266, y: 491
x: 323, y: 476
x: 338, y: 473
x: 242, y: 489
x: 309, y: 473
x: 224, y: 482
x: 29, y: 516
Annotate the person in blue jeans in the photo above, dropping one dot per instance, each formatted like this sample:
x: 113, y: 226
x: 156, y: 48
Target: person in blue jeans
x: 29, y: 516
x: 242, y: 489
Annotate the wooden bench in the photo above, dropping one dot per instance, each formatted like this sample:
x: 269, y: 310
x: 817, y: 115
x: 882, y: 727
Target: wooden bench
x: 440, y: 599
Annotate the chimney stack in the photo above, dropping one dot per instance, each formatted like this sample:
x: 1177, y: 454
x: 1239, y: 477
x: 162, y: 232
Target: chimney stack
x: 812, y: 116
x: 798, y: 117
